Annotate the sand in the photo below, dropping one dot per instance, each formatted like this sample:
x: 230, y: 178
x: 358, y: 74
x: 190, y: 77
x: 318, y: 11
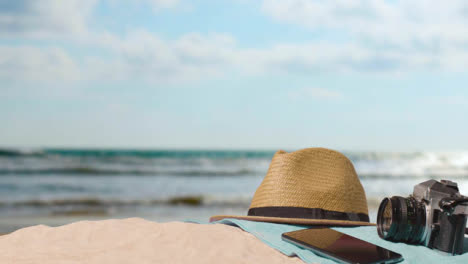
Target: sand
x: 136, y: 240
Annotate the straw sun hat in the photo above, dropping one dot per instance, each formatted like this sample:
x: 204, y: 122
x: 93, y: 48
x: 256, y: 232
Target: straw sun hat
x: 313, y: 186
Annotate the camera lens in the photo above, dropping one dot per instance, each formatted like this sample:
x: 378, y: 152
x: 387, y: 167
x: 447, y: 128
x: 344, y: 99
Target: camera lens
x: 401, y: 219
x: 385, y: 218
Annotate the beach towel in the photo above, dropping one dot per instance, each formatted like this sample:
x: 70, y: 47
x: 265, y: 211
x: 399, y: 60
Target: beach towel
x: 270, y: 234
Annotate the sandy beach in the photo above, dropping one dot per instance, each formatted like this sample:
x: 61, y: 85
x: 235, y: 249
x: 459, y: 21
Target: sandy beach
x: 136, y: 240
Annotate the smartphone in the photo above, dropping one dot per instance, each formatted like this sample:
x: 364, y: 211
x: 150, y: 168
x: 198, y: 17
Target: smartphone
x: 340, y: 247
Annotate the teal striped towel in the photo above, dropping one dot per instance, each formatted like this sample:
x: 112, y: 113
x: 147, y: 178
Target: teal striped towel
x: 270, y: 234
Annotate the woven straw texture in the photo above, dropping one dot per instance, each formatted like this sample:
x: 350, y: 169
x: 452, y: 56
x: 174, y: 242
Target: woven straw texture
x: 310, y: 178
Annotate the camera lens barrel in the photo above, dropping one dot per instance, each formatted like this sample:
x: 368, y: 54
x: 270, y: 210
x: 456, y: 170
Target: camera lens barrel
x: 401, y: 219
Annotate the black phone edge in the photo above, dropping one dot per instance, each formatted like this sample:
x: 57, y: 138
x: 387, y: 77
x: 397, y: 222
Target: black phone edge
x: 319, y: 252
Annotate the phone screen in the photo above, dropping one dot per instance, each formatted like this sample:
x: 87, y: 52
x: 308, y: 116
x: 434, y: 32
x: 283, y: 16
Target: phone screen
x: 341, y: 247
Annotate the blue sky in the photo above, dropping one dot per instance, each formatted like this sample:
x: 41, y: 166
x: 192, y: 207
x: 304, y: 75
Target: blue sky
x: 351, y: 75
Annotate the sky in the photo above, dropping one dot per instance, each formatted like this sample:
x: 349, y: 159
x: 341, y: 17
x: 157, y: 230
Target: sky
x: 234, y: 74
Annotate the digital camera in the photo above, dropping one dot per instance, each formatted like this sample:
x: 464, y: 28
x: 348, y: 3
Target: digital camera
x: 434, y: 216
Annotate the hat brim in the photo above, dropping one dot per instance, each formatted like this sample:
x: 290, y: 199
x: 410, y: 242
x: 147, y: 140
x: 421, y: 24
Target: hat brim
x: 293, y: 221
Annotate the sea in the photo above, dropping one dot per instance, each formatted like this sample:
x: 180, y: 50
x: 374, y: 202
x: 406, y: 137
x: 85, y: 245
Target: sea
x: 58, y: 186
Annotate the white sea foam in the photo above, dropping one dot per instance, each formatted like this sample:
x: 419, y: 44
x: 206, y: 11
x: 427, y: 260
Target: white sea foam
x: 43, y: 181
x: 424, y: 164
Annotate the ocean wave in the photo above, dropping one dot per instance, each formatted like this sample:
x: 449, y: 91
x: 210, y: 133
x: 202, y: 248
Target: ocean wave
x: 111, y: 153
x: 20, y: 152
x: 436, y: 176
x: 420, y: 164
x: 216, y: 163
x: 123, y: 171
x: 109, y: 172
x: 190, y: 200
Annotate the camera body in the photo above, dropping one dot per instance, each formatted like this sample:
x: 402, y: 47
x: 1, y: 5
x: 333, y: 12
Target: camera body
x: 435, y: 215
x: 444, y: 230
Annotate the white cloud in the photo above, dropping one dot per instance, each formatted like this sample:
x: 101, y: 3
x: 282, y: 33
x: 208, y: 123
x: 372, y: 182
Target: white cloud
x: 139, y: 55
x: 414, y: 35
x: 45, y: 18
x: 142, y: 55
x: 418, y: 20
x: 383, y: 37
x: 41, y: 64
x: 145, y: 56
x: 58, y: 19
